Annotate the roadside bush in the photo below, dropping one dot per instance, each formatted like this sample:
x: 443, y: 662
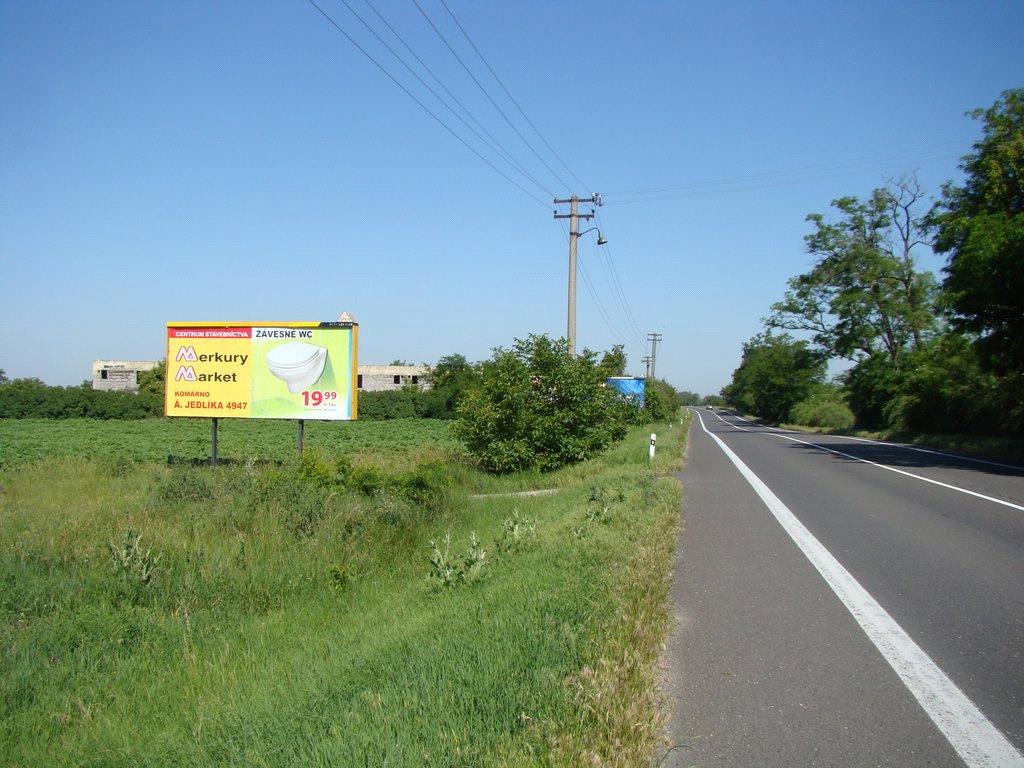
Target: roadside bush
x: 824, y: 407
x: 870, y: 386
x: 538, y: 407
x: 304, y: 491
x: 661, y: 401
x: 367, y: 480
x: 450, y: 379
x: 406, y: 403
x: 429, y: 485
x: 945, y: 390
x: 941, y: 389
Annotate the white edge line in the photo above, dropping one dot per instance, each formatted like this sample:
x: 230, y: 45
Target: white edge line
x: 785, y: 436
x: 978, y: 742
x: 904, y: 472
x: 729, y: 423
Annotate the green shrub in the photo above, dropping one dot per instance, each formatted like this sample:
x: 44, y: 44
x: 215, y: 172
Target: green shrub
x: 184, y: 485
x: 429, y: 486
x: 403, y: 403
x: 31, y: 398
x: 661, y: 401
x: 314, y: 470
x: 366, y: 480
x: 824, y: 408
x: 945, y: 389
x: 870, y: 385
x: 538, y: 407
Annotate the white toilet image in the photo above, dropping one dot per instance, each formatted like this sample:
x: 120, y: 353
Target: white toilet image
x: 297, y: 364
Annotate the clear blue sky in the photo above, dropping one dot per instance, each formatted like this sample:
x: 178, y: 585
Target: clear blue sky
x: 229, y: 160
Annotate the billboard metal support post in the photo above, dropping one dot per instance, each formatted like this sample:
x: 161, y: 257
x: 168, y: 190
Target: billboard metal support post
x: 213, y: 442
x: 302, y: 434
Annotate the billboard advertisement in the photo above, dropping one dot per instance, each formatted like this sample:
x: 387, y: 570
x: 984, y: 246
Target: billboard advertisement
x: 289, y: 370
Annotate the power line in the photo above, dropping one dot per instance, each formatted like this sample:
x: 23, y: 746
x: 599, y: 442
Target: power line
x: 707, y: 188
x: 752, y: 187
x: 423, y: 106
x: 812, y: 168
x: 488, y: 95
x: 490, y: 141
x: 588, y: 284
x: 618, y: 286
x: 510, y: 96
x: 628, y: 321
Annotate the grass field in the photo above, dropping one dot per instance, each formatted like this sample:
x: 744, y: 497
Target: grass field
x: 239, y: 440
x: 288, y: 615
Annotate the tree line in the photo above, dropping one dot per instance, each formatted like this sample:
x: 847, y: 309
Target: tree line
x: 30, y: 398
x: 927, y: 355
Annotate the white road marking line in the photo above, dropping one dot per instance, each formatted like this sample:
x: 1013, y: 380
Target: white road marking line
x: 904, y: 472
x: 900, y: 445
x: 929, y: 450
x: 736, y: 426
x: 978, y: 742
x: 783, y: 434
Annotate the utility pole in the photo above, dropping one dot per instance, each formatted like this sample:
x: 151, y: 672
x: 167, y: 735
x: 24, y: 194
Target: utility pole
x: 574, y: 217
x: 647, y: 362
x: 654, y: 338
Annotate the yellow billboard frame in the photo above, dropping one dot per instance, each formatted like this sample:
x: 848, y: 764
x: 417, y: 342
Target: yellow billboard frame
x: 230, y: 395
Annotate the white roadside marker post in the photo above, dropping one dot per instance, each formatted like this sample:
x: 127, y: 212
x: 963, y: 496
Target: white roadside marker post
x: 654, y: 438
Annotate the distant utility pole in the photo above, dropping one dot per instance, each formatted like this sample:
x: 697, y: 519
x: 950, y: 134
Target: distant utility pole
x: 647, y: 362
x: 574, y: 217
x: 654, y: 338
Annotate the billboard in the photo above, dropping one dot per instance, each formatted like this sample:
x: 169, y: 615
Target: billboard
x: 288, y: 370
x: 629, y: 387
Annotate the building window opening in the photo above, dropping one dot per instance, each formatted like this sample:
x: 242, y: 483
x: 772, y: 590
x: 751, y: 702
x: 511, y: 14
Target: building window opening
x: 359, y: 381
x: 415, y: 379
x: 103, y: 373
x: 398, y: 379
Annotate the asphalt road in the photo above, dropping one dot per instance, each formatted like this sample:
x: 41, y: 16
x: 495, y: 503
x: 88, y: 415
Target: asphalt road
x: 845, y: 603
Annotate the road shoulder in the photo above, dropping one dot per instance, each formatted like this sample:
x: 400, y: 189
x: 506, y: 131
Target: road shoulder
x: 765, y: 666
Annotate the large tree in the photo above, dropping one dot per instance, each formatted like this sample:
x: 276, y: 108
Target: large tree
x: 980, y: 225
x: 863, y: 296
x: 775, y: 374
x: 613, y: 362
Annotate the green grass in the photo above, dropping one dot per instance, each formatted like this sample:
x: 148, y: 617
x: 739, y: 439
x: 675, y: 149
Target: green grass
x: 239, y: 440
x: 292, y: 621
